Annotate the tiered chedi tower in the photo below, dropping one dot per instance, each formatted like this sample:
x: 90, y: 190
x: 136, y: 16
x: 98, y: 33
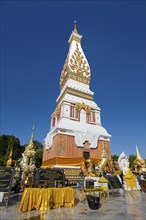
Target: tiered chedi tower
x: 76, y: 122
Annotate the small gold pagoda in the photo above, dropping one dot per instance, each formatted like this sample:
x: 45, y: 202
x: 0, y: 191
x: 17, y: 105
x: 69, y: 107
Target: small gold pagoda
x: 130, y: 182
x: 103, y: 183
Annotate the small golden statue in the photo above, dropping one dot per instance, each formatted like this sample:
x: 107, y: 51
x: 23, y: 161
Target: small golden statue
x: 9, y: 161
x: 89, y: 168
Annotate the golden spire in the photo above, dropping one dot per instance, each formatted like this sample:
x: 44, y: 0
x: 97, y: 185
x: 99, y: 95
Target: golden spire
x: 138, y: 154
x: 32, y: 136
x: 75, y: 27
x: 76, y: 66
x: 31, y: 146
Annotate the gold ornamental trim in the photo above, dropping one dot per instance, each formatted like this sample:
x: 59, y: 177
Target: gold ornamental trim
x: 82, y: 105
x: 75, y: 38
x: 75, y: 68
x: 72, y: 75
x: 56, y: 111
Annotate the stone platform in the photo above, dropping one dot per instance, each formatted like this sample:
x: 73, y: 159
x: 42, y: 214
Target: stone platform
x: 118, y: 207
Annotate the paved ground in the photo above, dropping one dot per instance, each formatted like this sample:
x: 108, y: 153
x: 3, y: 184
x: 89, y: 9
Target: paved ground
x: 118, y: 207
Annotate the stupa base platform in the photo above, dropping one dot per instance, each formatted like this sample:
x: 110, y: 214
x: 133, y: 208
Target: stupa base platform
x: 73, y: 168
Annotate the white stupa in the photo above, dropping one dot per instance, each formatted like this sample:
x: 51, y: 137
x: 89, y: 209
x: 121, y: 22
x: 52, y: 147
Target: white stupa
x: 77, y: 118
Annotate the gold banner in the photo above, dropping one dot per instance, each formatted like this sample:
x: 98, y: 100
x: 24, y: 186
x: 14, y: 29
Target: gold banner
x: 65, y: 161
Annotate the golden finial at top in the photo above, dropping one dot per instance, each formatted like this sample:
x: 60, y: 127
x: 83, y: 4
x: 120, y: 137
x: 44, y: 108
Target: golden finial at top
x: 32, y: 136
x: 75, y: 27
x: 31, y: 145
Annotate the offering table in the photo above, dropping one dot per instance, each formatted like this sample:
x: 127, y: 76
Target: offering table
x: 47, y: 198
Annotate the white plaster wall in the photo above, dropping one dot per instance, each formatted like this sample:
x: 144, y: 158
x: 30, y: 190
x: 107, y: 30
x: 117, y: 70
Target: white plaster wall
x: 74, y: 99
x: 97, y: 117
x: 65, y: 110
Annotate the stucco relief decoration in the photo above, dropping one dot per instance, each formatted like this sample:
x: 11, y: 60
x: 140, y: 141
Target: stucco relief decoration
x: 81, y: 137
x: 123, y: 163
x: 78, y: 64
x: 82, y: 105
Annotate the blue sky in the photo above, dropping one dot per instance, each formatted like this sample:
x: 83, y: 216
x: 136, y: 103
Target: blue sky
x: 34, y: 45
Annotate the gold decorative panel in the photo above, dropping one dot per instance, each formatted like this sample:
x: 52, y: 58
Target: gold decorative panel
x: 78, y: 64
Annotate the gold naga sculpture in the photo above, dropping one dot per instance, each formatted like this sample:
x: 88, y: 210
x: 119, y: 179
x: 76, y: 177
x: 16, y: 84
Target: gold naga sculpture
x: 139, y: 162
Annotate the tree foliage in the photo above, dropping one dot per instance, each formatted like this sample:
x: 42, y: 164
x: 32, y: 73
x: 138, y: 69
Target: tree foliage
x: 8, y: 143
x: 38, y: 157
x: 115, y: 157
x: 38, y: 145
x: 131, y: 160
